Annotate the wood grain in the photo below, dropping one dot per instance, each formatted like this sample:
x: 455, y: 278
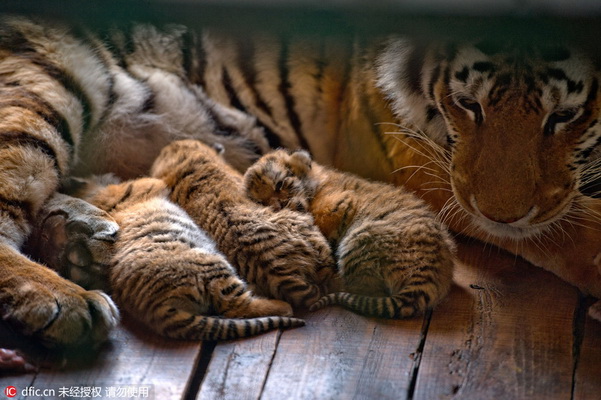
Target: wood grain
x: 133, y: 358
x: 341, y: 355
x: 588, y: 373
x: 505, y: 332
x: 238, y: 369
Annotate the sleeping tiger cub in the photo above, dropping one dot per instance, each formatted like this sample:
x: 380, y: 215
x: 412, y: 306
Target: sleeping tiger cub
x: 394, y: 257
x: 168, y: 274
x: 282, y: 255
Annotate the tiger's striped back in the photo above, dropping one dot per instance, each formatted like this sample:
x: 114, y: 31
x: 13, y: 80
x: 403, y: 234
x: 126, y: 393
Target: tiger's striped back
x: 394, y: 257
x: 168, y: 274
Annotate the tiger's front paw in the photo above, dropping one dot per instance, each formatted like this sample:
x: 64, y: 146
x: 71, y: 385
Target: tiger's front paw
x: 64, y: 317
x: 76, y: 239
x: 41, y: 304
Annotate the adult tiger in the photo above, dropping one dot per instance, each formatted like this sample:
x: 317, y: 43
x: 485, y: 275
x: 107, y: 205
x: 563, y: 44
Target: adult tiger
x: 504, y: 140
x: 503, y: 143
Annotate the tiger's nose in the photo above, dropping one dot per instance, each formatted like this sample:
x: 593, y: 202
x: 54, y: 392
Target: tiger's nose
x: 500, y: 220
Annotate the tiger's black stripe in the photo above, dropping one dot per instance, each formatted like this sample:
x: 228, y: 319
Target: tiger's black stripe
x: 17, y: 210
x: 107, y: 38
x: 246, y: 60
x: 22, y: 98
x: 431, y: 83
x: 500, y: 87
x: 590, y: 101
x: 21, y: 138
x: 93, y: 43
x: 284, y: 89
x: 194, y: 58
x: 415, y: 64
x: 232, y: 94
x: 189, y: 56
x: 374, y: 126
x: 17, y: 44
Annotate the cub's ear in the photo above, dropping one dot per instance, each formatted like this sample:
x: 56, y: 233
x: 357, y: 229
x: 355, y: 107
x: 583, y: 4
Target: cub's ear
x: 219, y: 148
x: 300, y: 162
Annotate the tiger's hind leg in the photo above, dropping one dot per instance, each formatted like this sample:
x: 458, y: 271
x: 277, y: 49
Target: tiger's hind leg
x: 75, y: 239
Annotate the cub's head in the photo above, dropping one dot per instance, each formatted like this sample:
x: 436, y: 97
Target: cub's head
x: 521, y: 125
x: 281, y: 180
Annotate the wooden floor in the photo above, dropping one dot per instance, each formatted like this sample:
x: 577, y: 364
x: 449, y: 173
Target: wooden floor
x: 507, y: 331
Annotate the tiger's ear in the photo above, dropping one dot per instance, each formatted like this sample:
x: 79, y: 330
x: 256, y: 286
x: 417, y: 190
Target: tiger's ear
x: 300, y: 162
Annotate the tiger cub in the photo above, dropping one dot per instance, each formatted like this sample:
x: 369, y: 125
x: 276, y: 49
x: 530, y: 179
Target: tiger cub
x: 395, y: 258
x: 168, y: 274
x: 282, y: 254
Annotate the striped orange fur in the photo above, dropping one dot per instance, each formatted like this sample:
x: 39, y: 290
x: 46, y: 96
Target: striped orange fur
x: 395, y: 259
x: 282, y: 255
x: 169, y: 275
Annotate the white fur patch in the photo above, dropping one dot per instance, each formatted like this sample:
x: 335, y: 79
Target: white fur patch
x: 409, y: 107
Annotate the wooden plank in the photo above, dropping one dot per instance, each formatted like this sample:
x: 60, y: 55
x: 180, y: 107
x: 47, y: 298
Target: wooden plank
x: 504, y: 333
x: 238, y: 368
x: 588, y: 372
x: 134, y: 360
x: 341, y: 355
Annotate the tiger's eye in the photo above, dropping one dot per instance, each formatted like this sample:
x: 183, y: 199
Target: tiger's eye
x: 558, y: 117
x: 473, y: 106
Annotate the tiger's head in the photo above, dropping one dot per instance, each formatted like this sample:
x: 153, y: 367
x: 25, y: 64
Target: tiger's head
x: 521, y: 125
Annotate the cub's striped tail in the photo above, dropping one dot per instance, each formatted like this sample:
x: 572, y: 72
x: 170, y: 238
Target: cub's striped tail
x: 199, y: 327
x: 403, y: 305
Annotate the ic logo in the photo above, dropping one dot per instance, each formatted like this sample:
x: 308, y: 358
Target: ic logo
x: 10, y: 391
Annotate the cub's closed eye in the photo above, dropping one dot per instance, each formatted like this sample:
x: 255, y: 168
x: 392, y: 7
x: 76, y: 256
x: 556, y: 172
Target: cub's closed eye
x: 473, y: 106
x: 558, y: 117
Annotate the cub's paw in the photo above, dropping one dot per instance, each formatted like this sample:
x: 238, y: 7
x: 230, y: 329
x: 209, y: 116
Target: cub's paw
x: 76, y: 239
x: 281, y: 180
